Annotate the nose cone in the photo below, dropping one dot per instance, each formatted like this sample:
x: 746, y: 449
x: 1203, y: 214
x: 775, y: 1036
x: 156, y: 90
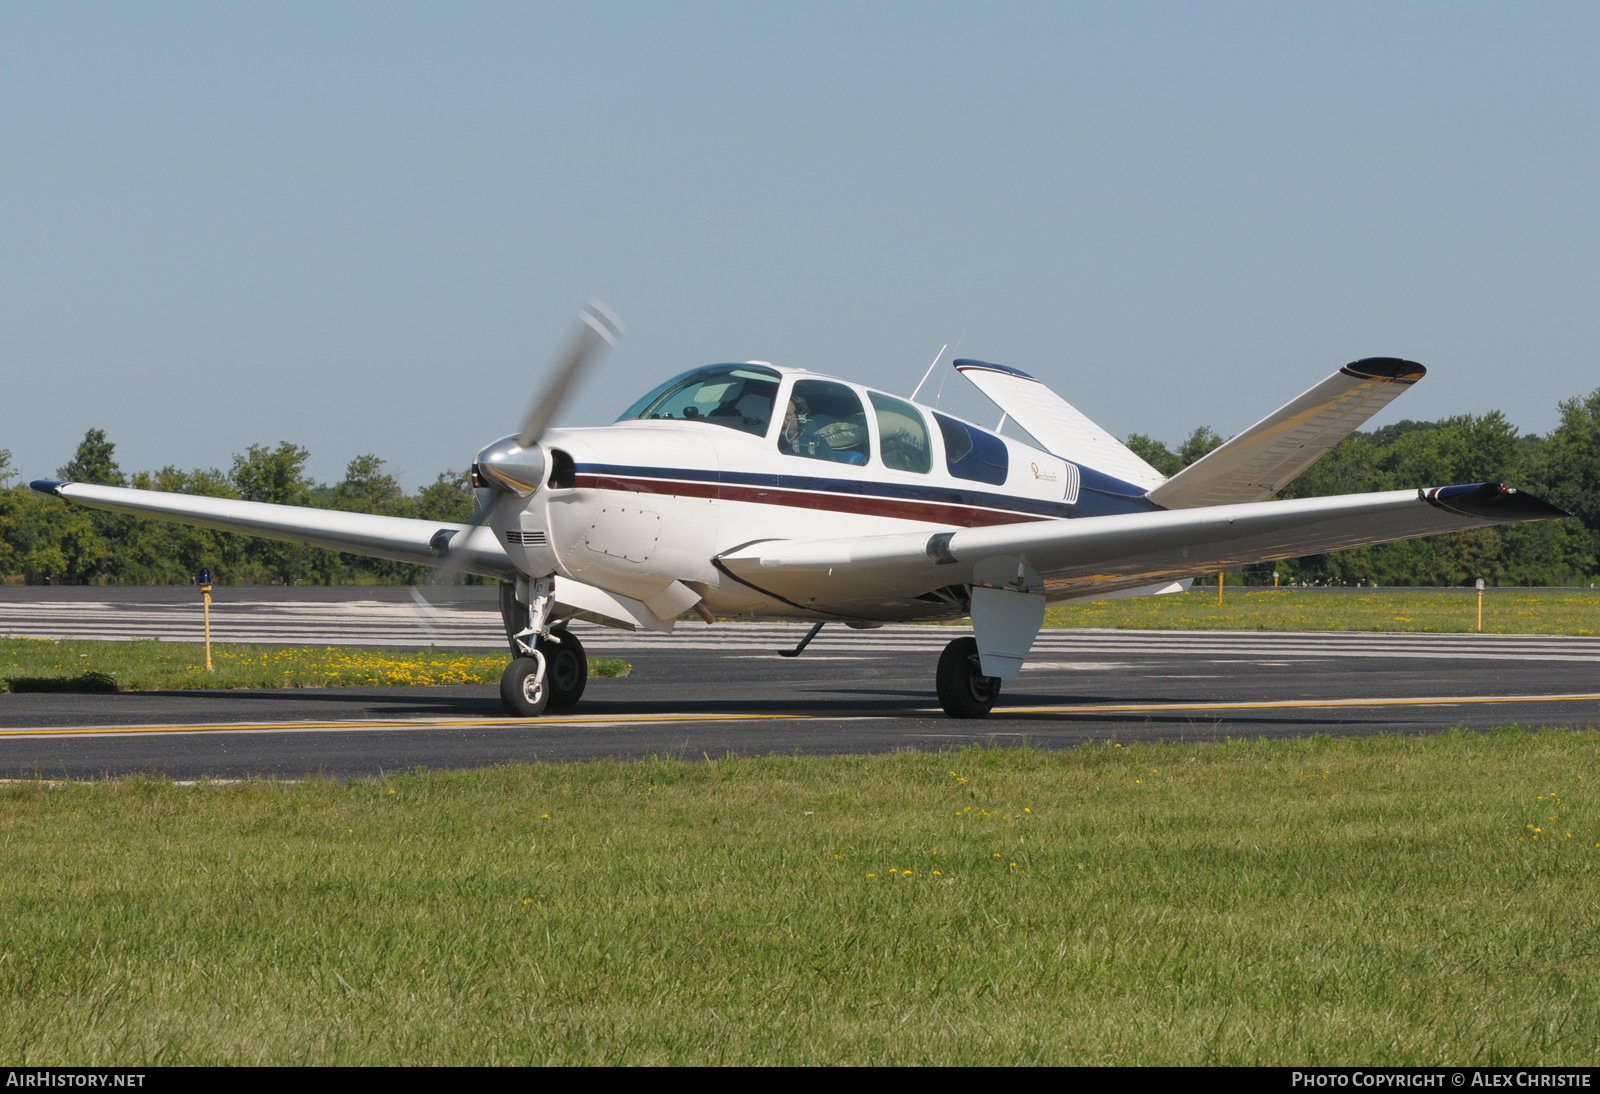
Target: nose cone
x: 512, y: 468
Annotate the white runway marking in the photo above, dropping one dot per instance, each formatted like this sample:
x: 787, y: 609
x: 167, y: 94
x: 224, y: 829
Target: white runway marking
x: 377, y: 623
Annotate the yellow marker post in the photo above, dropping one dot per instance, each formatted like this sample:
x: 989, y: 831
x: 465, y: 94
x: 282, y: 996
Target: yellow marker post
x: 205, y: 595
x: 1480, y: 603
x: 1219, y: 586
x: 1274, y: 579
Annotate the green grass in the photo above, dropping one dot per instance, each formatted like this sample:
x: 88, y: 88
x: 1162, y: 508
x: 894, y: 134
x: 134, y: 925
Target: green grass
x: 33, y: 664
x: 1505, y: 611
x: 1380, y: 900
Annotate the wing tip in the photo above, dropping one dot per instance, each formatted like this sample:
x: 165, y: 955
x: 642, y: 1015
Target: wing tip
x: 48, y: 486
x: 967, y: 364
x: 1493, y: 501
x: 1385, y: 368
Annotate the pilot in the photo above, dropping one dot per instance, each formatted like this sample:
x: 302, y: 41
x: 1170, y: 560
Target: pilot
x: 799, y: 436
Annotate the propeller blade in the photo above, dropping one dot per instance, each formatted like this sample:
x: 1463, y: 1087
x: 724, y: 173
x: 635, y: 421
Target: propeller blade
x: 598, y: 329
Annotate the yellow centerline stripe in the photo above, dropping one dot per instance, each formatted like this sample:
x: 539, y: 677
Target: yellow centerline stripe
x: 653, y: 719
x: 401, y: 723
x: 1289, y: 704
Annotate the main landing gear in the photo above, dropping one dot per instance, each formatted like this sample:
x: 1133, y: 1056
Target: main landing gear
x: 964, y: 691
x: 549, y: 667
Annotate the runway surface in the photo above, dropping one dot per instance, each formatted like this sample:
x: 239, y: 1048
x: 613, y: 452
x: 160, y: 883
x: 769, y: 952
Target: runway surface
x: 712, y: 690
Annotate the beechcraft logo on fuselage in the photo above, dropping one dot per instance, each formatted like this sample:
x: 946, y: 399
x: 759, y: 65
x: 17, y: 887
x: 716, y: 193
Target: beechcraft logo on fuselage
x: 1042, y: 476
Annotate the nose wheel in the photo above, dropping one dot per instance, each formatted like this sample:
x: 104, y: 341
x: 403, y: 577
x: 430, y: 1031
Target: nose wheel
x: 553, y: 678
x: 524, y: 690
x: 964, y: 691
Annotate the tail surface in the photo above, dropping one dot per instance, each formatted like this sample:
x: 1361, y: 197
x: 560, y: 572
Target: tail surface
x: 1059, y: 426
x: 1272, y: 453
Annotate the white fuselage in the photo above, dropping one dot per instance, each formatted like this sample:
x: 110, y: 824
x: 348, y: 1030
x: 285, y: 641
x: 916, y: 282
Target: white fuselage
x: 653, y: 502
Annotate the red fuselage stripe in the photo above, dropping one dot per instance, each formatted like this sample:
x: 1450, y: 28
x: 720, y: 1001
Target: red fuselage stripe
x: 935, y: 512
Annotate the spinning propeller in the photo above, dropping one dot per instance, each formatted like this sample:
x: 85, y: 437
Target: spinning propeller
x: 515, y: 466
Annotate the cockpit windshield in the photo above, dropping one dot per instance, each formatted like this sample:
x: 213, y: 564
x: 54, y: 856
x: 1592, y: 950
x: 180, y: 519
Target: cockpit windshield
x: 737, y: 396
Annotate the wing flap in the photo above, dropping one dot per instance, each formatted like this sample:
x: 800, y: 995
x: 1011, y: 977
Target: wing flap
x: 400, y: 538
x: 1272, y: 453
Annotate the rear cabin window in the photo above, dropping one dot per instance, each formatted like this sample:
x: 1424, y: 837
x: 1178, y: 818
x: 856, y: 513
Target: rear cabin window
x: 824, y: 421
x: 737, y: 396
x: 902, y: 434
x: 973, y: 454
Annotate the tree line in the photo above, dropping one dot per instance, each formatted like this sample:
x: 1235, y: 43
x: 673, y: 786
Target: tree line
x: 1562, y: 467
x: 44, y: 540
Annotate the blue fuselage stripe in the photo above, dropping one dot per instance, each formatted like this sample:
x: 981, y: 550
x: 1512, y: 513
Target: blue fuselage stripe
x: 1099, y: 495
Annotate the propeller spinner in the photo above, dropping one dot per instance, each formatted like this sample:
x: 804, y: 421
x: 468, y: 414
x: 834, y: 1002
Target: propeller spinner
x: 516, y: 464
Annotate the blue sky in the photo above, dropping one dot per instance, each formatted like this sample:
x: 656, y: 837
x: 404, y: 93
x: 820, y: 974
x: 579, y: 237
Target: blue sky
x: 364, y: 228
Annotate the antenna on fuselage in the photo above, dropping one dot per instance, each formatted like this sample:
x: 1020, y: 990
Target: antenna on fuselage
x: 946, y: 376
x: 929, y: 373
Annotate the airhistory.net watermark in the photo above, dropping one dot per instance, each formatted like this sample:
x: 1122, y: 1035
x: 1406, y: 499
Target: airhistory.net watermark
x: 71, y: 1077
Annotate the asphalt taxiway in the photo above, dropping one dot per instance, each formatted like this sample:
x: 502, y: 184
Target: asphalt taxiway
x: 715, y: 690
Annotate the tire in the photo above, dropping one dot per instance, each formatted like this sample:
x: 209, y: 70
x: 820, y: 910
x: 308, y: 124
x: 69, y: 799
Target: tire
x: 524, y: 690
x: 567, y: 668
x: 964, y: 692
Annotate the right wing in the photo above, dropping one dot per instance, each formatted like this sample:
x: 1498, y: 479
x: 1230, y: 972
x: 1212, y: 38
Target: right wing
x: 1091, y: 556
x: 402, y: 539
x: 1272, y: 453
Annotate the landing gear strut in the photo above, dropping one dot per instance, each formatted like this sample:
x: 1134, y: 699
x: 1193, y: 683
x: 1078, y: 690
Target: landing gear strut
x: 964, y: 691
x: 548, y: 666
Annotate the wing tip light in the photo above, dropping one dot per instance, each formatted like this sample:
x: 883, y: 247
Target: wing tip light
x: 47, y: 486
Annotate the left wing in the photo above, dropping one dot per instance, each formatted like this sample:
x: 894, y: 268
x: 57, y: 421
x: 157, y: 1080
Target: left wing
x: 1066, y: 559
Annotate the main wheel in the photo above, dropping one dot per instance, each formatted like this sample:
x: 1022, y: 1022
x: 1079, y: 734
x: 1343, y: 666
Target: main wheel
x: 964, y: 691
x: 567, y: 668
x: 524, y: 690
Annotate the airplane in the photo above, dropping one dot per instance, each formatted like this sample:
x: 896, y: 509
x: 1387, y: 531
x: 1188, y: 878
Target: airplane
x: 753, y: 490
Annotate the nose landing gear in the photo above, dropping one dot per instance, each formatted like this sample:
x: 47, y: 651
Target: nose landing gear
x: 548, y: 667
x: 553, y: 676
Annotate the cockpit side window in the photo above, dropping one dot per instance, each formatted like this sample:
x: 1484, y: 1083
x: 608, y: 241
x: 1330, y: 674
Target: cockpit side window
x: 902, y: 434
x: 973, y: 453
x: 737, y: 396
x: 824, y: 421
